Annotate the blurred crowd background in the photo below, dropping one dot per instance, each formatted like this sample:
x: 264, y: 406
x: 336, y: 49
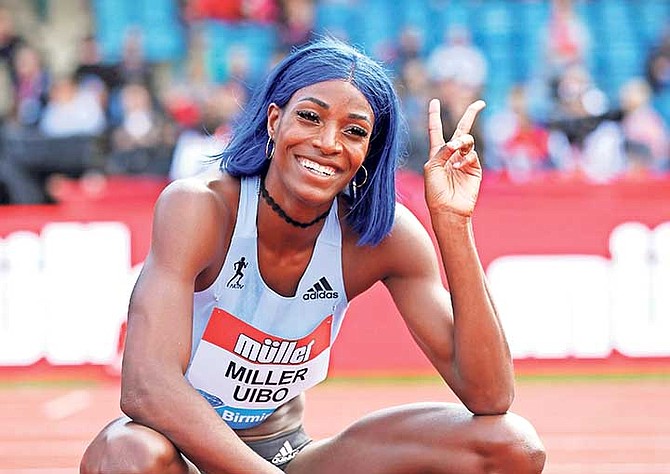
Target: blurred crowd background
x: 576, y: 89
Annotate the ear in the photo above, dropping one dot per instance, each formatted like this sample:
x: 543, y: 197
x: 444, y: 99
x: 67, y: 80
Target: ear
x: 274, y: 115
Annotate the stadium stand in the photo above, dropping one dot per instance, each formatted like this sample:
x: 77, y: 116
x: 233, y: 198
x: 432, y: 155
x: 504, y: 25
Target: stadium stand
x: 621, y: 40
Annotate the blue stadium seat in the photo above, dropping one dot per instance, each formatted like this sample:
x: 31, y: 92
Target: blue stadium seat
x: 260, y: 40
x: 652, y: 17
x: 218, y: 37
x: 337, y: 19
x: 449, y: 13
x: 112, y: 18
x: 163, y: 36
x: 494, y: 19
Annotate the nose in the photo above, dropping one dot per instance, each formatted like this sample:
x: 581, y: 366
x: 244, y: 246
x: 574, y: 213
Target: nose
x: 328, y: 141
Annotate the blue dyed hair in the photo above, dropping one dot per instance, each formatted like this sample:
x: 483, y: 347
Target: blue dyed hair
x: 372, y: 211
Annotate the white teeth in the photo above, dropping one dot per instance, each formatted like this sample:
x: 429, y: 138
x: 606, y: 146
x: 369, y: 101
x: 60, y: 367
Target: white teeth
x: 312, y: 166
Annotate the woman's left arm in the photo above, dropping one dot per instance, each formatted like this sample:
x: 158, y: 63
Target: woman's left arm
x: 459, y: 332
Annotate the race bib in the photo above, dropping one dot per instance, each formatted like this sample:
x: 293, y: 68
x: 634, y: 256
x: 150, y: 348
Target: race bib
x: 245, y: 373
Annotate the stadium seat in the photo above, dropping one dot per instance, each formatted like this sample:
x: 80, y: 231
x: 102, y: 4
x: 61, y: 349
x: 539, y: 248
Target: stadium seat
x: 163, y: 36
x: 336, y: 19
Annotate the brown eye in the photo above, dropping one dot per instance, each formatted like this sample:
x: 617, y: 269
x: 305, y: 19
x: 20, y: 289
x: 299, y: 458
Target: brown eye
x: 358, y: 131
x: 308, y: 115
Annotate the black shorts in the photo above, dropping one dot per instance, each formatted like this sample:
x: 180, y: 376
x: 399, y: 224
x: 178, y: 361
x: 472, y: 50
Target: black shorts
x: 281, y: 449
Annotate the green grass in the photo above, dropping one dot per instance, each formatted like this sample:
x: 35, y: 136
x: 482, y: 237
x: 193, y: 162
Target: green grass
x: 548, y: 377
x: 42, y: 383
x: 594, y: 377
x: 384, y: 379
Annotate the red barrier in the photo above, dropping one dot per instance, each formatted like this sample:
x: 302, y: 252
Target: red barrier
x: 551, y: 217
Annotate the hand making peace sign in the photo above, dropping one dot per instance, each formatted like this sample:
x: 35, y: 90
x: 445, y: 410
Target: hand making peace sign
x: 453, y: 172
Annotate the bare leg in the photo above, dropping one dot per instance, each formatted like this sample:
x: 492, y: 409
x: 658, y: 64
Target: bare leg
x: 427, y: 438
x: 124, y: 447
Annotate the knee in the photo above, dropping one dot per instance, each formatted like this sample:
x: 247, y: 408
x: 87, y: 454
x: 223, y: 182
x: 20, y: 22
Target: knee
x: 128, y: 450
x: 515, y: 449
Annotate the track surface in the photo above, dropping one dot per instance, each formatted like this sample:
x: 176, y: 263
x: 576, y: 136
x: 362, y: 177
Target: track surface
x: 594, y: 427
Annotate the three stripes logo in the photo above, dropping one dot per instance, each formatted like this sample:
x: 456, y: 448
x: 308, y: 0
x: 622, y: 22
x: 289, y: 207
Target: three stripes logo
x: 285, y: 454
x: 320, y: 290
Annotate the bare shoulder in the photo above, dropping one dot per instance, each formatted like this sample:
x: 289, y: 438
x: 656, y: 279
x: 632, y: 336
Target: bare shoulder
x: 405, y: 251
x: 192, y: 217
x: 408, y: 248
x: 207, y: 193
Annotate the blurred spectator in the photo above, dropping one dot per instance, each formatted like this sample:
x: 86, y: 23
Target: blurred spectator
x: 32, y: 85
x: 566, y: 41
x: 567, y: 38
x: 586, y: 139
x: 132, y: 69
x: 408, y: 48
x: 658, y: 63
x: 559, y: 113
x: 9, y: 45
x: 645, y: 134
x: 657, y: 72
x: 578, y: 97
x: 295, y: 23
x: 193, y: 76
x: 457, y: 70
x: 9, y: 41
x: 92, y: 71
x: 239, y: 67
x: 457, y: 59
x: 518, y: 144
x: 197, y: 147
x: 72, y: 110
x: 91, y: 67
x: 182, y: 105
x: 414, y: 92
x: 100, y: 80
x: 139, y: 142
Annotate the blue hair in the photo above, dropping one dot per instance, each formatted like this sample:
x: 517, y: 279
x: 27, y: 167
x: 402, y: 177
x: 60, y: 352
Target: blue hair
x: 372, y: 209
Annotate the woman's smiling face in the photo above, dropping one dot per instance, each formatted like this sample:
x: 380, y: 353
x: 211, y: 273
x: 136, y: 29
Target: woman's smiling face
x: 321, y: 136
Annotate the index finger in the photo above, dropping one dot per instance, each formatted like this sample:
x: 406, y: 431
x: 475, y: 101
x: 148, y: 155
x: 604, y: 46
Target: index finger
x: 468, y: 119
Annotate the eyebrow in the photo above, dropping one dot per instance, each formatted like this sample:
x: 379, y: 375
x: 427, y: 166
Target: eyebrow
x: 321, y: 103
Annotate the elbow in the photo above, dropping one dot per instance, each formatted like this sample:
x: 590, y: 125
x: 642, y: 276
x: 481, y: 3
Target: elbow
x: 133, y: 403
x: 144, y: 389
x: 136, y: 397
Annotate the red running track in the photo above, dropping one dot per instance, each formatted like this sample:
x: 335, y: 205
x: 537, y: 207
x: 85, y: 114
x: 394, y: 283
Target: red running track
x: 594, y: 427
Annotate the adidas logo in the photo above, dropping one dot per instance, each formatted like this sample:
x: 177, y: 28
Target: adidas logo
x: 285, y: 454
x: 320, y: 290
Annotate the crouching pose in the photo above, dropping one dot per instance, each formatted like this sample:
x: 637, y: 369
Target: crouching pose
x: 250, y: 274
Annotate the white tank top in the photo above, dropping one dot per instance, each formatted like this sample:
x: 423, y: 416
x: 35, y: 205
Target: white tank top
x: 254, y: 350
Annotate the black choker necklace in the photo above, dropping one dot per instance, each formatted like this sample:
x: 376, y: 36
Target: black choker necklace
x: 281, y: 213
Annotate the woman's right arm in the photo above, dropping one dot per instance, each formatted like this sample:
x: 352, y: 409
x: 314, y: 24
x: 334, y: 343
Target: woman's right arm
x: 186, y: 236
